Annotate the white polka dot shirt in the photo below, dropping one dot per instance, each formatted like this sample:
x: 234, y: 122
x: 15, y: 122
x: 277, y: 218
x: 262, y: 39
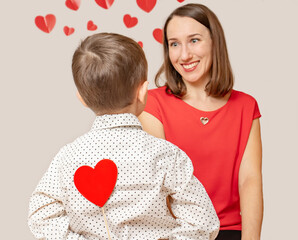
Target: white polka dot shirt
x: 149, y: 169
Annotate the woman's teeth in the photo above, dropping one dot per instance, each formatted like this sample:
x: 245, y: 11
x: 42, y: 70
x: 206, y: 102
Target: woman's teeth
x: 189, y: 66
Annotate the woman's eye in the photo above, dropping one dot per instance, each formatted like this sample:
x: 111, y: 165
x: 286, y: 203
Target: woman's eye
x: 174, y: 44
x: 194, y: 40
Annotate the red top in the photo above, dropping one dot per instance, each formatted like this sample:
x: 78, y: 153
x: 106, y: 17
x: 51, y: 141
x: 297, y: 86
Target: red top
x: 216, y: 148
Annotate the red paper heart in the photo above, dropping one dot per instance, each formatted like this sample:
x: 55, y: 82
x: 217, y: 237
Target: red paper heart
x: 73, y: 4
x: 158, y: 35
x: 146, y: 5
x: 106, y: 4
x: 140, y: 43
x: 180, y: 1
x: 46, y: 23
x: 97, y: 184
x: 91, y: 26
x: 129, y: 21
x: 68, y: 31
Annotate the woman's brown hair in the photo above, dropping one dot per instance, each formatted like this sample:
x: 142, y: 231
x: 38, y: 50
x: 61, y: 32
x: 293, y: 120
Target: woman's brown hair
x: 222, y: 80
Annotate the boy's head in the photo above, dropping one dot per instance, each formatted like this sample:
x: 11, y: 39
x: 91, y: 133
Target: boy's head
x: 108, y: 70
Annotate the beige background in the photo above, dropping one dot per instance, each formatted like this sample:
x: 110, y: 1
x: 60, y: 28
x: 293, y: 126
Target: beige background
x: 40, y: 112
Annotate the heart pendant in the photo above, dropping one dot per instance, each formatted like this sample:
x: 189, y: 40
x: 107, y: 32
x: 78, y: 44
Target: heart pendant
x: 204, y: 120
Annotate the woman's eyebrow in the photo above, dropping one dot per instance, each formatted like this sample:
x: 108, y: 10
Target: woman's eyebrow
x: 172, y: 39
x: 189, y: 36
x: 193, y: 35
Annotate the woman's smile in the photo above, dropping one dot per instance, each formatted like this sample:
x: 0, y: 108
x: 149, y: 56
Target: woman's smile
x: 189, y: 67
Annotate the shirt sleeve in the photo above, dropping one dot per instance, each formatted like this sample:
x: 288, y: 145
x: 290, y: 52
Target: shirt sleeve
x: 256, y: 113
x: 47, y: 215
x: 153, y: 106
x: 191, y: 204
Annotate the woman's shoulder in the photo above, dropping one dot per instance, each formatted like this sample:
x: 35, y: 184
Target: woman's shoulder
x: 161, y: 94
x: 160, y: 91
x: 245, y: 102
x: 158, y: 100
x: 243, y: 97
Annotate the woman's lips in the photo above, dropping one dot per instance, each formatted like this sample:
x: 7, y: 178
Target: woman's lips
x: 190, y: 66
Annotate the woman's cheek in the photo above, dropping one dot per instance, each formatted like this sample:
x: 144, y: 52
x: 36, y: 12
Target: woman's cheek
x: 173, y: 55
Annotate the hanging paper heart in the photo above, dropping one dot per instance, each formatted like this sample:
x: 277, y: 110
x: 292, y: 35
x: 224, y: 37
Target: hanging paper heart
x: 180, y: 1
x: 97, y: 184
x: 158, y: 35
x: 68, y: 31
x: 46, y: 23
x: 146, y: 5
x: 129, y: 21
x: 140, y: 43
x: 106, y: 4
x: 73, y: 4
x: 91, y: 26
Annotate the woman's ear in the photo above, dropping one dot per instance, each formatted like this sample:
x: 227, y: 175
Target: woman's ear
x: 81, y: 99
x: 142, y: 92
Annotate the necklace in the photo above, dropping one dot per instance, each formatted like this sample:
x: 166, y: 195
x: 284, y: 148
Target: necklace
x: 204, y: 120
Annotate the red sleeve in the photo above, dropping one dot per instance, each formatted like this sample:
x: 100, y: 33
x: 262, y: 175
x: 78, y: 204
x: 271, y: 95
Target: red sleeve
x: 153, y: 106
x: 256, y: 113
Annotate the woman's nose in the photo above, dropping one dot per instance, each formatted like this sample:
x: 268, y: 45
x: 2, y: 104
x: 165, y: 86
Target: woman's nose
x: 185, y: 53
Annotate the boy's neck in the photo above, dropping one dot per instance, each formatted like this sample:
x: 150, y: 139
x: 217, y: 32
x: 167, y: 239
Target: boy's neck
x: 133, y: 109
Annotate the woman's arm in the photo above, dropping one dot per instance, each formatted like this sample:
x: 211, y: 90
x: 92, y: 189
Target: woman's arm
x: 152, y: 125
x: 250, y: 185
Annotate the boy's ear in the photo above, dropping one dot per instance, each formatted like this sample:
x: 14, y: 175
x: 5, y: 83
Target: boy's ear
x: 142, y: 93
x: 81, y: 99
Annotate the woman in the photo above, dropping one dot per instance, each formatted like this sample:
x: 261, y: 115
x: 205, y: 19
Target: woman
x: 218, y: 127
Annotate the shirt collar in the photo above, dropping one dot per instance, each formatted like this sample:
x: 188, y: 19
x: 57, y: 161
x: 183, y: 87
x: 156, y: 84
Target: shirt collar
x: 115, y: 120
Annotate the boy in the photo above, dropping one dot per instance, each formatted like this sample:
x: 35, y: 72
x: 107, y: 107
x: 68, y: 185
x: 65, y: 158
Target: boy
x: 110, y: 72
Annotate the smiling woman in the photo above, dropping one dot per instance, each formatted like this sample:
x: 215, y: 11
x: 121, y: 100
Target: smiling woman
x: 218, y: 127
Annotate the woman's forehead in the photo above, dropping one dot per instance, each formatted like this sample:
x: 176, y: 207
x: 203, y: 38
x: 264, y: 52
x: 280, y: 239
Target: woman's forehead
x: 181, y: 27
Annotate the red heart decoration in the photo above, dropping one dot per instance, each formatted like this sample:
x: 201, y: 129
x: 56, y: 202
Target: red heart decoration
x: 106, y: 4
x: 158, y: 35
x: 180, y: 1
x: 91, y: 26
x: 46, y: 23
x: 68, y: 31
x: 97, y: 184
x: 73, y: 4
x: 140, y: 43
x: 130, y: 21
x: 146, y: 5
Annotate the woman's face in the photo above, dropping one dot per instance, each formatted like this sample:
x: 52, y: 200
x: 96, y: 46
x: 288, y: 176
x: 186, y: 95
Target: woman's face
x: 190, y: 49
